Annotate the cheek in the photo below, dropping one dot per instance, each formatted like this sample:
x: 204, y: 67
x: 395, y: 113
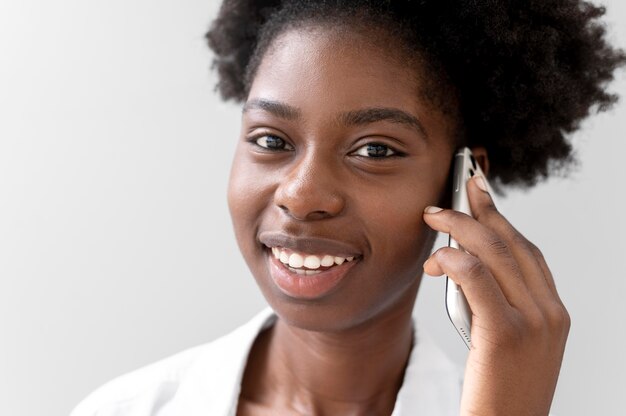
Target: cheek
x: 398, y: 232
x: 247, y: 188
x: 399, y: 241
x: 247, y: 198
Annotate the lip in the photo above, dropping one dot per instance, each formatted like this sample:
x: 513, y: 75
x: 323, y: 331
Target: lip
x: 309, y: 245
x: 307, y: 287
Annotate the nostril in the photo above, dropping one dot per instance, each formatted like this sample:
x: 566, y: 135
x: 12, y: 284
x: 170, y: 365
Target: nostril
x: 313, y: 215
x: 318, y: 215
x: 308, y: 203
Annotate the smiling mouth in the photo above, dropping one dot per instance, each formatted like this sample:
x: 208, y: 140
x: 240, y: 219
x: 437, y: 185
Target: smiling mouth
x: 305, y: 275
x: 306, y: 264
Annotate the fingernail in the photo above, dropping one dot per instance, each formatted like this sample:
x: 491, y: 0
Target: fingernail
x: 481, y: 183
x: 432, y: 210
x: 426, y: 265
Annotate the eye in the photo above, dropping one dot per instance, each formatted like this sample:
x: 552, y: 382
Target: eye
x: 271, y: 142
x: 376, y: 150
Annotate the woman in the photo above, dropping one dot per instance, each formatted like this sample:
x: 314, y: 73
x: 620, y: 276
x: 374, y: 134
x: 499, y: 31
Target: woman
x: 352, y: 113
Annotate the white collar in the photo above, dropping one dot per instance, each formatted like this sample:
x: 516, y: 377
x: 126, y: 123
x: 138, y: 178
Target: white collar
x: 206, y: 380
x: 431, y: 386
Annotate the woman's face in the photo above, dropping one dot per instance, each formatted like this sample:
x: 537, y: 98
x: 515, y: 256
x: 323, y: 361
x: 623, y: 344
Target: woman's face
x: 338, y: 156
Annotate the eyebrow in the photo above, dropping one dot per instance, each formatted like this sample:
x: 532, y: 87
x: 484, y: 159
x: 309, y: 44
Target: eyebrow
x: 371, y: 115
x: 276, y: 108
x: 350, y: 118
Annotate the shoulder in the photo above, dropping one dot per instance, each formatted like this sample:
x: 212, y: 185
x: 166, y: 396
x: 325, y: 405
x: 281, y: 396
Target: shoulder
x: 169, y: 386
x: 157, y: 381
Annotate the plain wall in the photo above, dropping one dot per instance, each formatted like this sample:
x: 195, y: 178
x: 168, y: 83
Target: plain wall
x: 116, y: 246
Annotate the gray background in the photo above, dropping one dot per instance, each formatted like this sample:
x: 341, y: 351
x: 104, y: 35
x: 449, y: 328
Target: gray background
x: 115, y: 241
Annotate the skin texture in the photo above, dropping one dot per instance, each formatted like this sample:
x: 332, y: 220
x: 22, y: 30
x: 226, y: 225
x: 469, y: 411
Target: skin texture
x: 322, y: 184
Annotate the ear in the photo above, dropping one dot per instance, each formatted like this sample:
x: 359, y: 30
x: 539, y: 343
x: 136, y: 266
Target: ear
x: 480, y: 154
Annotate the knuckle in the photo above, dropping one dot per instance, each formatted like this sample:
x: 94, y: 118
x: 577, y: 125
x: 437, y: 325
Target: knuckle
x: 474, y: 268
x: 497, y: 246
x: 514, y: 237
x: 567, y: 321
x: 487, y: 212
x: 558, y: 318
x: 535, y: 321
x: 442, y: 255
x: 536, y: 251
x: 519, y: 239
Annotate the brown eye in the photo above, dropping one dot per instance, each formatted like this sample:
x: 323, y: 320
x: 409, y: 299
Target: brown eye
x: 375, y: 150
x: 272, y: 142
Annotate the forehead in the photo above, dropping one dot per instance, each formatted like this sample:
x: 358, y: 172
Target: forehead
x: 335, y: 69
x: 324, y: 73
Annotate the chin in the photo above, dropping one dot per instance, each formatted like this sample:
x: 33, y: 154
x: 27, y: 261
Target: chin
x: 339, y: 311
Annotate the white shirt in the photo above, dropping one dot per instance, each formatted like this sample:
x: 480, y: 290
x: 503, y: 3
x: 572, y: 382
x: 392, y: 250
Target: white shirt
x: 206, y: 381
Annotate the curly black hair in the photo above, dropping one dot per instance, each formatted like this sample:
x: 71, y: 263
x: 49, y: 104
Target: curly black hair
x: 525, y: 72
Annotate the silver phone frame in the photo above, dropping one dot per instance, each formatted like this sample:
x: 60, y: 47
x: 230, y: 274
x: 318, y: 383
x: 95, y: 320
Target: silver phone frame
x: 458, y: 309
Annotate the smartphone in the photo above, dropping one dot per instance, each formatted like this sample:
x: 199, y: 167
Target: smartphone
x: 465, y: 167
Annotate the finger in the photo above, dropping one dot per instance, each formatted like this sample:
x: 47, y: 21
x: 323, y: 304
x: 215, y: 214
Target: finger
x: 483, y: 293
x: 533, y: 267
x: 483, y: 243
x: 546, y: 271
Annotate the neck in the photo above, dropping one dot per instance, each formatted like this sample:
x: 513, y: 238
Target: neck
x: 358, y: 371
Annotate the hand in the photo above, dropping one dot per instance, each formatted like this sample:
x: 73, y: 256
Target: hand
x: 519, y: 324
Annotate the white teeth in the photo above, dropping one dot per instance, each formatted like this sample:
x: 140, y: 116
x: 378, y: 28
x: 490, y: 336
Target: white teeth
x: 327, y: 261
x: 296, y: 260
x: 303, y: 272
x: 312, y: 262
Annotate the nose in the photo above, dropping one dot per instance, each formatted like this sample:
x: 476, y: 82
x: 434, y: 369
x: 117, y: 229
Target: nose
x: 310, y: 190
